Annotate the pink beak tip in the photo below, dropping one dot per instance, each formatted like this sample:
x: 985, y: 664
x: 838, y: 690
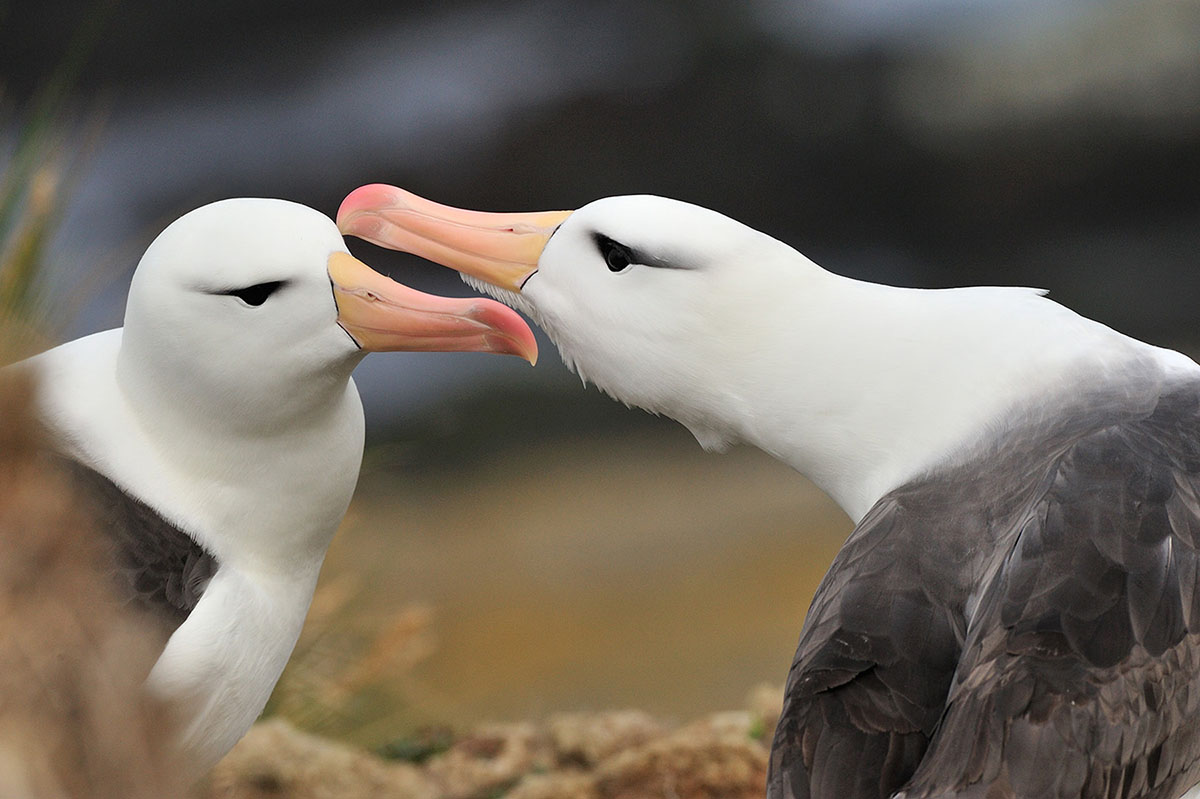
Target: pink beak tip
x: 516, y: 337
x: 361, y: 205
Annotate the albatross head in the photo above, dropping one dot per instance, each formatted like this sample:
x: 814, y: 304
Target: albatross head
x: 252, y: 309
x: 639, y: 293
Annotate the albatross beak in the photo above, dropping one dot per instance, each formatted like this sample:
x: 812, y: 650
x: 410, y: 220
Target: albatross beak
x: 501, y: 249
x: 383, y: 316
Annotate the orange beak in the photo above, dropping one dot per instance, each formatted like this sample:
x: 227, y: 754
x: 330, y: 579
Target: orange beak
x: 501, y: 249
x: 382, y: 315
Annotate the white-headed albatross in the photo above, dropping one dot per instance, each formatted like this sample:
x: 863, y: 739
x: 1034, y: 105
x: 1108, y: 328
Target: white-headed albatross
x: 1017, y: 611
x: 221, y: 434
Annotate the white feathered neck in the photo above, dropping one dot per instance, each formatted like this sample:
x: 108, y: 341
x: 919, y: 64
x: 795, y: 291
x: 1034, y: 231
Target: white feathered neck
x: 857, y: 385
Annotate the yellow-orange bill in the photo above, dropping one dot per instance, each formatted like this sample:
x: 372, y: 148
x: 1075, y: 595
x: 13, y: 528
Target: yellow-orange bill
x: 502, y: 249
x: 385, y: 316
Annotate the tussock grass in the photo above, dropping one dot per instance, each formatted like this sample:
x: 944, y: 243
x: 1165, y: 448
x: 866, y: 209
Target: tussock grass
x: 37, y: 173
x: 75, y: 718
x: 351, y: 670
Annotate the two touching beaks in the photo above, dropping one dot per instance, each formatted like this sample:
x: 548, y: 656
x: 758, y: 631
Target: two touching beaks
x: 499, y: 248
x: 381, y: 314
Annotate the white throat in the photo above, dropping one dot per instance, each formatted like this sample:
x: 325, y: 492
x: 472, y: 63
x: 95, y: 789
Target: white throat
x: 208, y: 481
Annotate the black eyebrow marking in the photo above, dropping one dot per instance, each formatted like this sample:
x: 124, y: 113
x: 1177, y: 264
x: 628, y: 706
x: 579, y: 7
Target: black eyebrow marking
x: 638, y: 257
x: 254, y: 295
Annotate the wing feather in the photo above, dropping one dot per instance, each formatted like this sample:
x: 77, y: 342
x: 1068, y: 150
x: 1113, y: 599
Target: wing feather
x: 1028, y: 626
x: 1078, y: 675
x: 158, y: 568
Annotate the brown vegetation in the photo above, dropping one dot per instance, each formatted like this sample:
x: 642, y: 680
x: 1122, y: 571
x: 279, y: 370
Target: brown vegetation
x: 75, y: 720
x: 607, y: 755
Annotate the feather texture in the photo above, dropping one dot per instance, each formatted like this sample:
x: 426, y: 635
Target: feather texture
x: 1073, y: 674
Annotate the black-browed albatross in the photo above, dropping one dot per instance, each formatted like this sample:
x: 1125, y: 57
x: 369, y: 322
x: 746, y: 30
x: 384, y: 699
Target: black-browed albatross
x: 1017, y: 612
x: 221, y: 434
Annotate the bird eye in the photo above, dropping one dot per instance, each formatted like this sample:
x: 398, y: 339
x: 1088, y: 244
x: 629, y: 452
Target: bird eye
x: 257, y: 294
x: 617, y: 256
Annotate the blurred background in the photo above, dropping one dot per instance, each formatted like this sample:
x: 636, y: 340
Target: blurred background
x: 520, y: 545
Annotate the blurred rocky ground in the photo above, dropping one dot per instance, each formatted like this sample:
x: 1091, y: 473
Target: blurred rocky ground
x: 623, y: 754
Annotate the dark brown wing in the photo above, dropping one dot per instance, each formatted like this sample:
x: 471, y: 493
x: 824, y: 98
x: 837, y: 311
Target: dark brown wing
x: 1080, y: 675
x: 873, y: 667
x: 159, y: 569
x: 1037, y: 610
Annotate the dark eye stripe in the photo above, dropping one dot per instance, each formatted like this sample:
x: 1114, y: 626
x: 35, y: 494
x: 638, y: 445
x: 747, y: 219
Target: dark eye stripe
x: 618, y: 256
x: 254, y: 295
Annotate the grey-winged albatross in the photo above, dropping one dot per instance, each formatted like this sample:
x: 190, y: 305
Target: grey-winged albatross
x: 1017, y: 611
x: 221, y: 434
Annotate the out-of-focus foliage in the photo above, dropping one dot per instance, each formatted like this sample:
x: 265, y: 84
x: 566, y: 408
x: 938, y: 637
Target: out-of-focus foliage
x: 36, y: 174
x: 75, y: 718
x: 350, y: 673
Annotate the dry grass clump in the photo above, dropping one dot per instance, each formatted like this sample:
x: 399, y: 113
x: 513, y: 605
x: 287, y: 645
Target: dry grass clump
x: 75, y: 719
x: 275, y: 760
x: 607, y: 755
x: 713, y: 758
x: 491, y: 759
x: 590, y: 738
x: 349, y: 674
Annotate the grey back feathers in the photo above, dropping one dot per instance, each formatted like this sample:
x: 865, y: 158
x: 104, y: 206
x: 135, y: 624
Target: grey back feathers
x: 1024, y: 625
